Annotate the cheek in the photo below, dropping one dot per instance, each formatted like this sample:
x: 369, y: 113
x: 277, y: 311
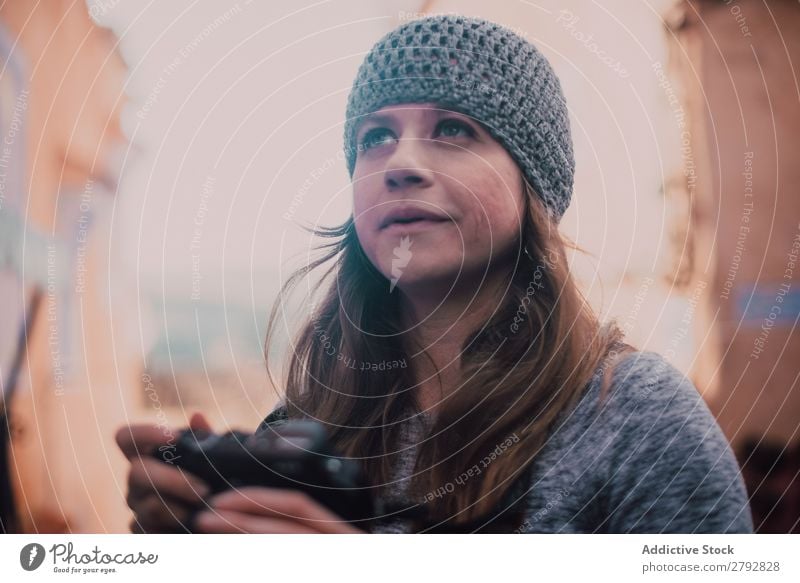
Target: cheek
x: 364, y: 232
x: 494, y: 214
x: 364, y: 190
x: 366, y: 211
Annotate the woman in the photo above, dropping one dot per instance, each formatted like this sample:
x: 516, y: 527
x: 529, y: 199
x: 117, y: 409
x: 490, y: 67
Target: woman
x: 452, y: 353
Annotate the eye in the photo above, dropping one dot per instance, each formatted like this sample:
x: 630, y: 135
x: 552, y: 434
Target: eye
x: 375, y: 137
x: 453, y: 128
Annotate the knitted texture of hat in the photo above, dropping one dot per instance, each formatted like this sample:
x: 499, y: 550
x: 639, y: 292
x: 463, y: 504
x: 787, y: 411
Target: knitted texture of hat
x: 485, y: 71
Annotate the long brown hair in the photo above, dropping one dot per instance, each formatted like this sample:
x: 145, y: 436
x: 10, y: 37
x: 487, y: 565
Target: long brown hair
x: 521, y: 370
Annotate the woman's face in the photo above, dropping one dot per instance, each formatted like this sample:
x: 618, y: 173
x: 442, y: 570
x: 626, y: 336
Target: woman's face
x: 434, y: 195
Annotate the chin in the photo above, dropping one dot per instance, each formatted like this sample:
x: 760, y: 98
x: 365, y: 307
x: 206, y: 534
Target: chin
x: 421, y: 278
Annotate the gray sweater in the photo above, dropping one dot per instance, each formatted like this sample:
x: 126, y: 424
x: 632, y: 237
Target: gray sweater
x: 651, y: 459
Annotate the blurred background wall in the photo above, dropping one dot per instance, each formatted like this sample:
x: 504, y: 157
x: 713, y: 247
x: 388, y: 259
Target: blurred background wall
x: 61, y: 100
x: 737, y: 63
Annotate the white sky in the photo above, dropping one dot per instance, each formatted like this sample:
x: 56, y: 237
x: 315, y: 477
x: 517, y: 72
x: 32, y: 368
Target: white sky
x: 257, y: 100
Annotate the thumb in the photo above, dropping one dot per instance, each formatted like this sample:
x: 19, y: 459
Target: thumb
x: 199, y: 422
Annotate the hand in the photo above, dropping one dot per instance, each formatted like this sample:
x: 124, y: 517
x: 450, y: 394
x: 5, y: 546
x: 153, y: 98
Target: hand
x: 269, y: 510
x: 161, y: 496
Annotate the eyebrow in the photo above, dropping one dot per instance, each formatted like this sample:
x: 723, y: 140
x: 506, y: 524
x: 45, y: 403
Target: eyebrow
x: 375, y: 119
x: 378, y: 118
x: 385, y: 118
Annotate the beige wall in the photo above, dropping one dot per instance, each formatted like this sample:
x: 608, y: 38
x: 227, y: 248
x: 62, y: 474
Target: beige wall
x: 67, y: 473
x: 738, y: 63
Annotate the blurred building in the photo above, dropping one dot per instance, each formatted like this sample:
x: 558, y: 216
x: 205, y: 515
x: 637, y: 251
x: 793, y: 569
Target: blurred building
x: 736, y: 66
x: 62, y: 92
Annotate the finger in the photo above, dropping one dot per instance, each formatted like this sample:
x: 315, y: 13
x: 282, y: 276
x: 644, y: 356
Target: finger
x: 282, y: 504
x: 135, y: 440
x: 148, y: 475
x: 232, y: 522
x: 198, y: 422
x: 159, y: 514
x: 140, y: 525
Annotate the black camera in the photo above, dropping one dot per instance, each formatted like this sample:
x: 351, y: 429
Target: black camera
x: 294, y: 455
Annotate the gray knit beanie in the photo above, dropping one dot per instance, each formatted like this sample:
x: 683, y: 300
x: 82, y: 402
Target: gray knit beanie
x: 485, y: 71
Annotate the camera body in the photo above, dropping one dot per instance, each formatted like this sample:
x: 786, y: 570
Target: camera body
x: 294, y: 455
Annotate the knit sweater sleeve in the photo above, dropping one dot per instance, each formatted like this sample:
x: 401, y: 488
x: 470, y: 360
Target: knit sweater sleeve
x: 670, y: 468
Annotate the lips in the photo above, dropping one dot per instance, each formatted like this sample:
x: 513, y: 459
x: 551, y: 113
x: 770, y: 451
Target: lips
x: 411, y: 215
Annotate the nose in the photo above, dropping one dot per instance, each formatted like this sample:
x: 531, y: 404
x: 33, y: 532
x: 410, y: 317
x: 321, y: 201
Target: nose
x: 406, y: 167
